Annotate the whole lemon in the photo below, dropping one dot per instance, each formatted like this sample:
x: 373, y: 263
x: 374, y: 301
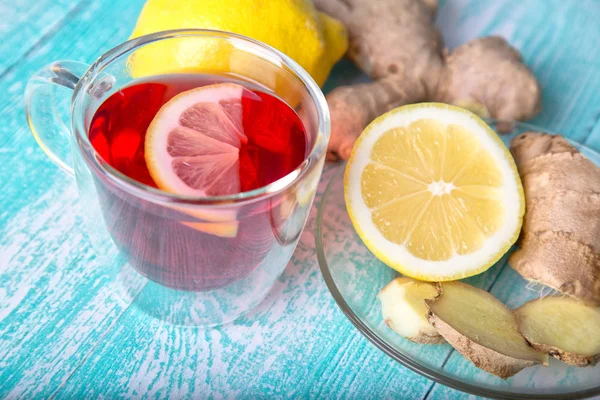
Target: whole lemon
x: 313, y: 39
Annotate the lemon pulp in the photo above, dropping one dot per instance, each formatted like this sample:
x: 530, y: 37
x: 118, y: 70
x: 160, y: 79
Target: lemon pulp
x: 424, y: 195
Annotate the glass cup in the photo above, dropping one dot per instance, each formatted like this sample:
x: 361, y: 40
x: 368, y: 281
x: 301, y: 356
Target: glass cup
x: 185, y: 260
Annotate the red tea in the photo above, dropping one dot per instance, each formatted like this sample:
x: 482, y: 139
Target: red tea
x: 204, y: 248
x: 276, y: 137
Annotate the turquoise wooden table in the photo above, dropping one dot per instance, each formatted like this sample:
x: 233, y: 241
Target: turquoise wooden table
x: 65, y: 332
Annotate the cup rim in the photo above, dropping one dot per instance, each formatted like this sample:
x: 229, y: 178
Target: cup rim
x: 155, y: 195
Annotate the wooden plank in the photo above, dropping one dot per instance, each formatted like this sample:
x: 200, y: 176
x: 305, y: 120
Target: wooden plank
x: 25, y: 23
x: 58, y: 300
x: 593, y: 139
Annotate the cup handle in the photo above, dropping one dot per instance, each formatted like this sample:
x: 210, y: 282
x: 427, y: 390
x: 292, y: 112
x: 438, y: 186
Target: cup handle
x: 40, y: 108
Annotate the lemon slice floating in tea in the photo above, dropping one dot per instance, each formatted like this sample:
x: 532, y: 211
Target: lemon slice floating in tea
x: 192, y: 148
x: 192, y: 145
x: 433, y: 192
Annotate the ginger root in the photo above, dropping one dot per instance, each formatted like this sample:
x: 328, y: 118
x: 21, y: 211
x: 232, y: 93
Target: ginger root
x: 396, y: 43
x: 482, y: 329
x: 562, y: 327
x: 404, y: 310
x: 560, y: 240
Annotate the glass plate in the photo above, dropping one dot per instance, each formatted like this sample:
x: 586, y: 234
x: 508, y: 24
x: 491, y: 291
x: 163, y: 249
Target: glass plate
x: 354, y: 276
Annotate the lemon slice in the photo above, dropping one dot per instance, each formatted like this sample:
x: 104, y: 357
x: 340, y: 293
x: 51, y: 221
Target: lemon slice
x: 433, y: 192
x: 192, y: 144
x: 192, y: 148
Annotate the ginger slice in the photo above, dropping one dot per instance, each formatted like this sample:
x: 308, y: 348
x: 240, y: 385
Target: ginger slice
x: 562, y: 327
x: 482, y: 329
x: 404, y: 310
x: 560, y: 242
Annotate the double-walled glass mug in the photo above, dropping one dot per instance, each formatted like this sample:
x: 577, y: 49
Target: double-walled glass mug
x: 198, y: 260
